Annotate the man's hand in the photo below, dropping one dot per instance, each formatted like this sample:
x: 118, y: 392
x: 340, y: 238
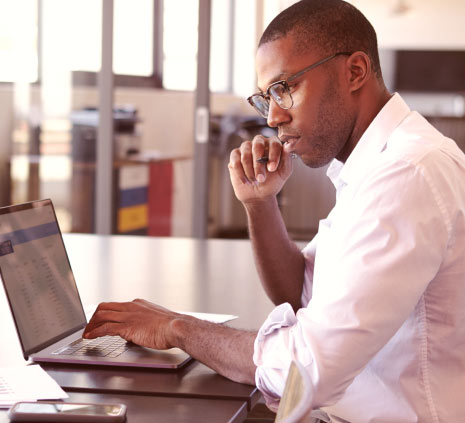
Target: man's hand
x: 253, y: 180
x: 139, y: 321
x: 226, y: 350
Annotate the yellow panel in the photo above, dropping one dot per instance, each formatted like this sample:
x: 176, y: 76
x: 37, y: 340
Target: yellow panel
x: 132, y: 218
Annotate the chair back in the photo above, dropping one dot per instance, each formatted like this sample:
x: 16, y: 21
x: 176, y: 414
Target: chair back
x: 295, y: 405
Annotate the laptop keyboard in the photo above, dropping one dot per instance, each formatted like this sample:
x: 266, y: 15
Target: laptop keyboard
x: 106, y: 346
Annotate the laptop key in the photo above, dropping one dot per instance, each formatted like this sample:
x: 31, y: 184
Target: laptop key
x: 95, y: 347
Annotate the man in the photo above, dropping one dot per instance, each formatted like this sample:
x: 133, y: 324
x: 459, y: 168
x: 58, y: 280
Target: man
x: 374, y: 306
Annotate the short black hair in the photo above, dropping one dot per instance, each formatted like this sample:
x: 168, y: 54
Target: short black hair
x: 328, y: 25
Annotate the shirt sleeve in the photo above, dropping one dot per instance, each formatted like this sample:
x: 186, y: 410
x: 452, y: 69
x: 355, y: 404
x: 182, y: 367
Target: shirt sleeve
x: 309, y: 255
x: 375, y: 259
x: 272, y: 366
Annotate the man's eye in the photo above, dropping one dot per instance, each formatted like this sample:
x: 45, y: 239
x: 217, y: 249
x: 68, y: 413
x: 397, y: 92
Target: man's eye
x: 292, y: 87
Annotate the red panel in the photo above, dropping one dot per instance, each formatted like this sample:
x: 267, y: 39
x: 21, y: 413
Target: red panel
x: 160, y: 198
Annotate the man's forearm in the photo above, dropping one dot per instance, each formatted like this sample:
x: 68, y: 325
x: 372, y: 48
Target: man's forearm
x: 226, y: 350
x: 279, y: 261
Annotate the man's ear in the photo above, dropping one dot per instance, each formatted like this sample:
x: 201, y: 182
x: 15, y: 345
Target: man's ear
x: 358, y: 70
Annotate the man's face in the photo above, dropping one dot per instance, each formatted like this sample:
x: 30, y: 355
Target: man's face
x: 320, y: 123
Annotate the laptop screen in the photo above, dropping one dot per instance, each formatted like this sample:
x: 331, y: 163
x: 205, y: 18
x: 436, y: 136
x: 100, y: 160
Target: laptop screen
x: 37, y: 276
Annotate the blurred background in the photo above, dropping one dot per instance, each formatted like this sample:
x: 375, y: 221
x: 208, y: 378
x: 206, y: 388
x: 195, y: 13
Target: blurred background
x: 181, y: 70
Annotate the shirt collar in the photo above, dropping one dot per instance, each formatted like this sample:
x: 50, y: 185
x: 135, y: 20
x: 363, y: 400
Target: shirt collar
x: 372, y: 142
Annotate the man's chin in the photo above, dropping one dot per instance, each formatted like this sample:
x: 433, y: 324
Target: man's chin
x: 314, y: 162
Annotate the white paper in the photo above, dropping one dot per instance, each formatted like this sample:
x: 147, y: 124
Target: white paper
x: 210, y: 317
x: 27, y: 383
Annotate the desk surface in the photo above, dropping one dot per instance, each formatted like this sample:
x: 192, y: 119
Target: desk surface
x: 151, y: 409
x: 215, y: 276
x: 183, y: 274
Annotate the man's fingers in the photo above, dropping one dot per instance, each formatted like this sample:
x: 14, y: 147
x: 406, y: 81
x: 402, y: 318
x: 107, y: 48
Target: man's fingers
x: 250, y: 162
x: 286, y: 163
x: 267, y: 155
x: 100, y: 318
x: 107, y: 316
x: 275, y: 151
x: 247, y: 160
x: 110, y: 312
x: 113, y: 306
x: 104, y: 329
x: 138, y: 321
x: 259, y: 151
x: 235, y: 167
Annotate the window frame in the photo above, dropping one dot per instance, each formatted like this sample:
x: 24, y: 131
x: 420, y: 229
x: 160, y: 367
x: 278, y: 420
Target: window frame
x: 39, y: 48
x: 89, y: 79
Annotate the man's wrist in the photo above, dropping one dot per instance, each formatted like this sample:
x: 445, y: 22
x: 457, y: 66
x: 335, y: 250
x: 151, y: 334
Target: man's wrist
x: 180, y: 329
x: 260, y: 205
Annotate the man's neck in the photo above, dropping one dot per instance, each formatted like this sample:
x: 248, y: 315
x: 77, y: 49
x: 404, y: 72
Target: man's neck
x: 370, y: 103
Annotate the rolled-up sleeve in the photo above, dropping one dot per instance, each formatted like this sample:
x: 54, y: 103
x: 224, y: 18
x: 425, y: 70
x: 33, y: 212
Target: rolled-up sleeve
x: 271, y: 355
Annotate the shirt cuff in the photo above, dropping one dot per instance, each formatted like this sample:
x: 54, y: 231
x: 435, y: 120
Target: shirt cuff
x: 272, y: 367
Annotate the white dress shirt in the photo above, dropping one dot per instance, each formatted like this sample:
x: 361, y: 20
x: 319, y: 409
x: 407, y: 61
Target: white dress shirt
x: 382, y: 328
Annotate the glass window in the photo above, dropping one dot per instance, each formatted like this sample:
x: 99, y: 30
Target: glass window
x: 232, y: 50
x: 180, y: 44
x: 78, y: 26
x: 82, y: 25
x: 75, y: 27
x: 244, y: 48
x: 220, y: 46
x: 133, y: 37
x: 18, y: 41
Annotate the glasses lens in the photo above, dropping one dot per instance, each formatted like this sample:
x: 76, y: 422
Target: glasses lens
x: 281, y: 95
x: 261, y: 104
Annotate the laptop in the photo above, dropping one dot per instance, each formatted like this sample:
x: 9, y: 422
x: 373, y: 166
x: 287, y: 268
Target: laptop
x: 45, y: 302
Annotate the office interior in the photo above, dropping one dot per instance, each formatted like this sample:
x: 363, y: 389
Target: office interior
x: 165, y: 82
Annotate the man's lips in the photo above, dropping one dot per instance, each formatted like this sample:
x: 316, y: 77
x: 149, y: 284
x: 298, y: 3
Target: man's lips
x: 289, y: 141
x: 287, y: 138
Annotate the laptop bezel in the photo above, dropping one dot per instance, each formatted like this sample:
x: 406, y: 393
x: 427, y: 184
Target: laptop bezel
x: 27, y: 352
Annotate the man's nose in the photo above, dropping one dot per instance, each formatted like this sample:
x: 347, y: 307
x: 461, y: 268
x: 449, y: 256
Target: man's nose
x: 277, y: 115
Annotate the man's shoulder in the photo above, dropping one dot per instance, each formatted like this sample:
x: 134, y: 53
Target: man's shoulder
x: 418, y: 161
x: 416, y: 139
x: 418, y: 145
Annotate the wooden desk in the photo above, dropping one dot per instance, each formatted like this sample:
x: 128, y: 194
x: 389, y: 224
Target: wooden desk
x: 195, y: 380
x: 182, y: 274
x: 215, y: 276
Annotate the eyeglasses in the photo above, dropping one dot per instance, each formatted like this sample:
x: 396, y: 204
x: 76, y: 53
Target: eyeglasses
x: 279, y: 91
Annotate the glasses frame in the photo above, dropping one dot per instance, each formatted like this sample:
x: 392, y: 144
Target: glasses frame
x: 285, y: 83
